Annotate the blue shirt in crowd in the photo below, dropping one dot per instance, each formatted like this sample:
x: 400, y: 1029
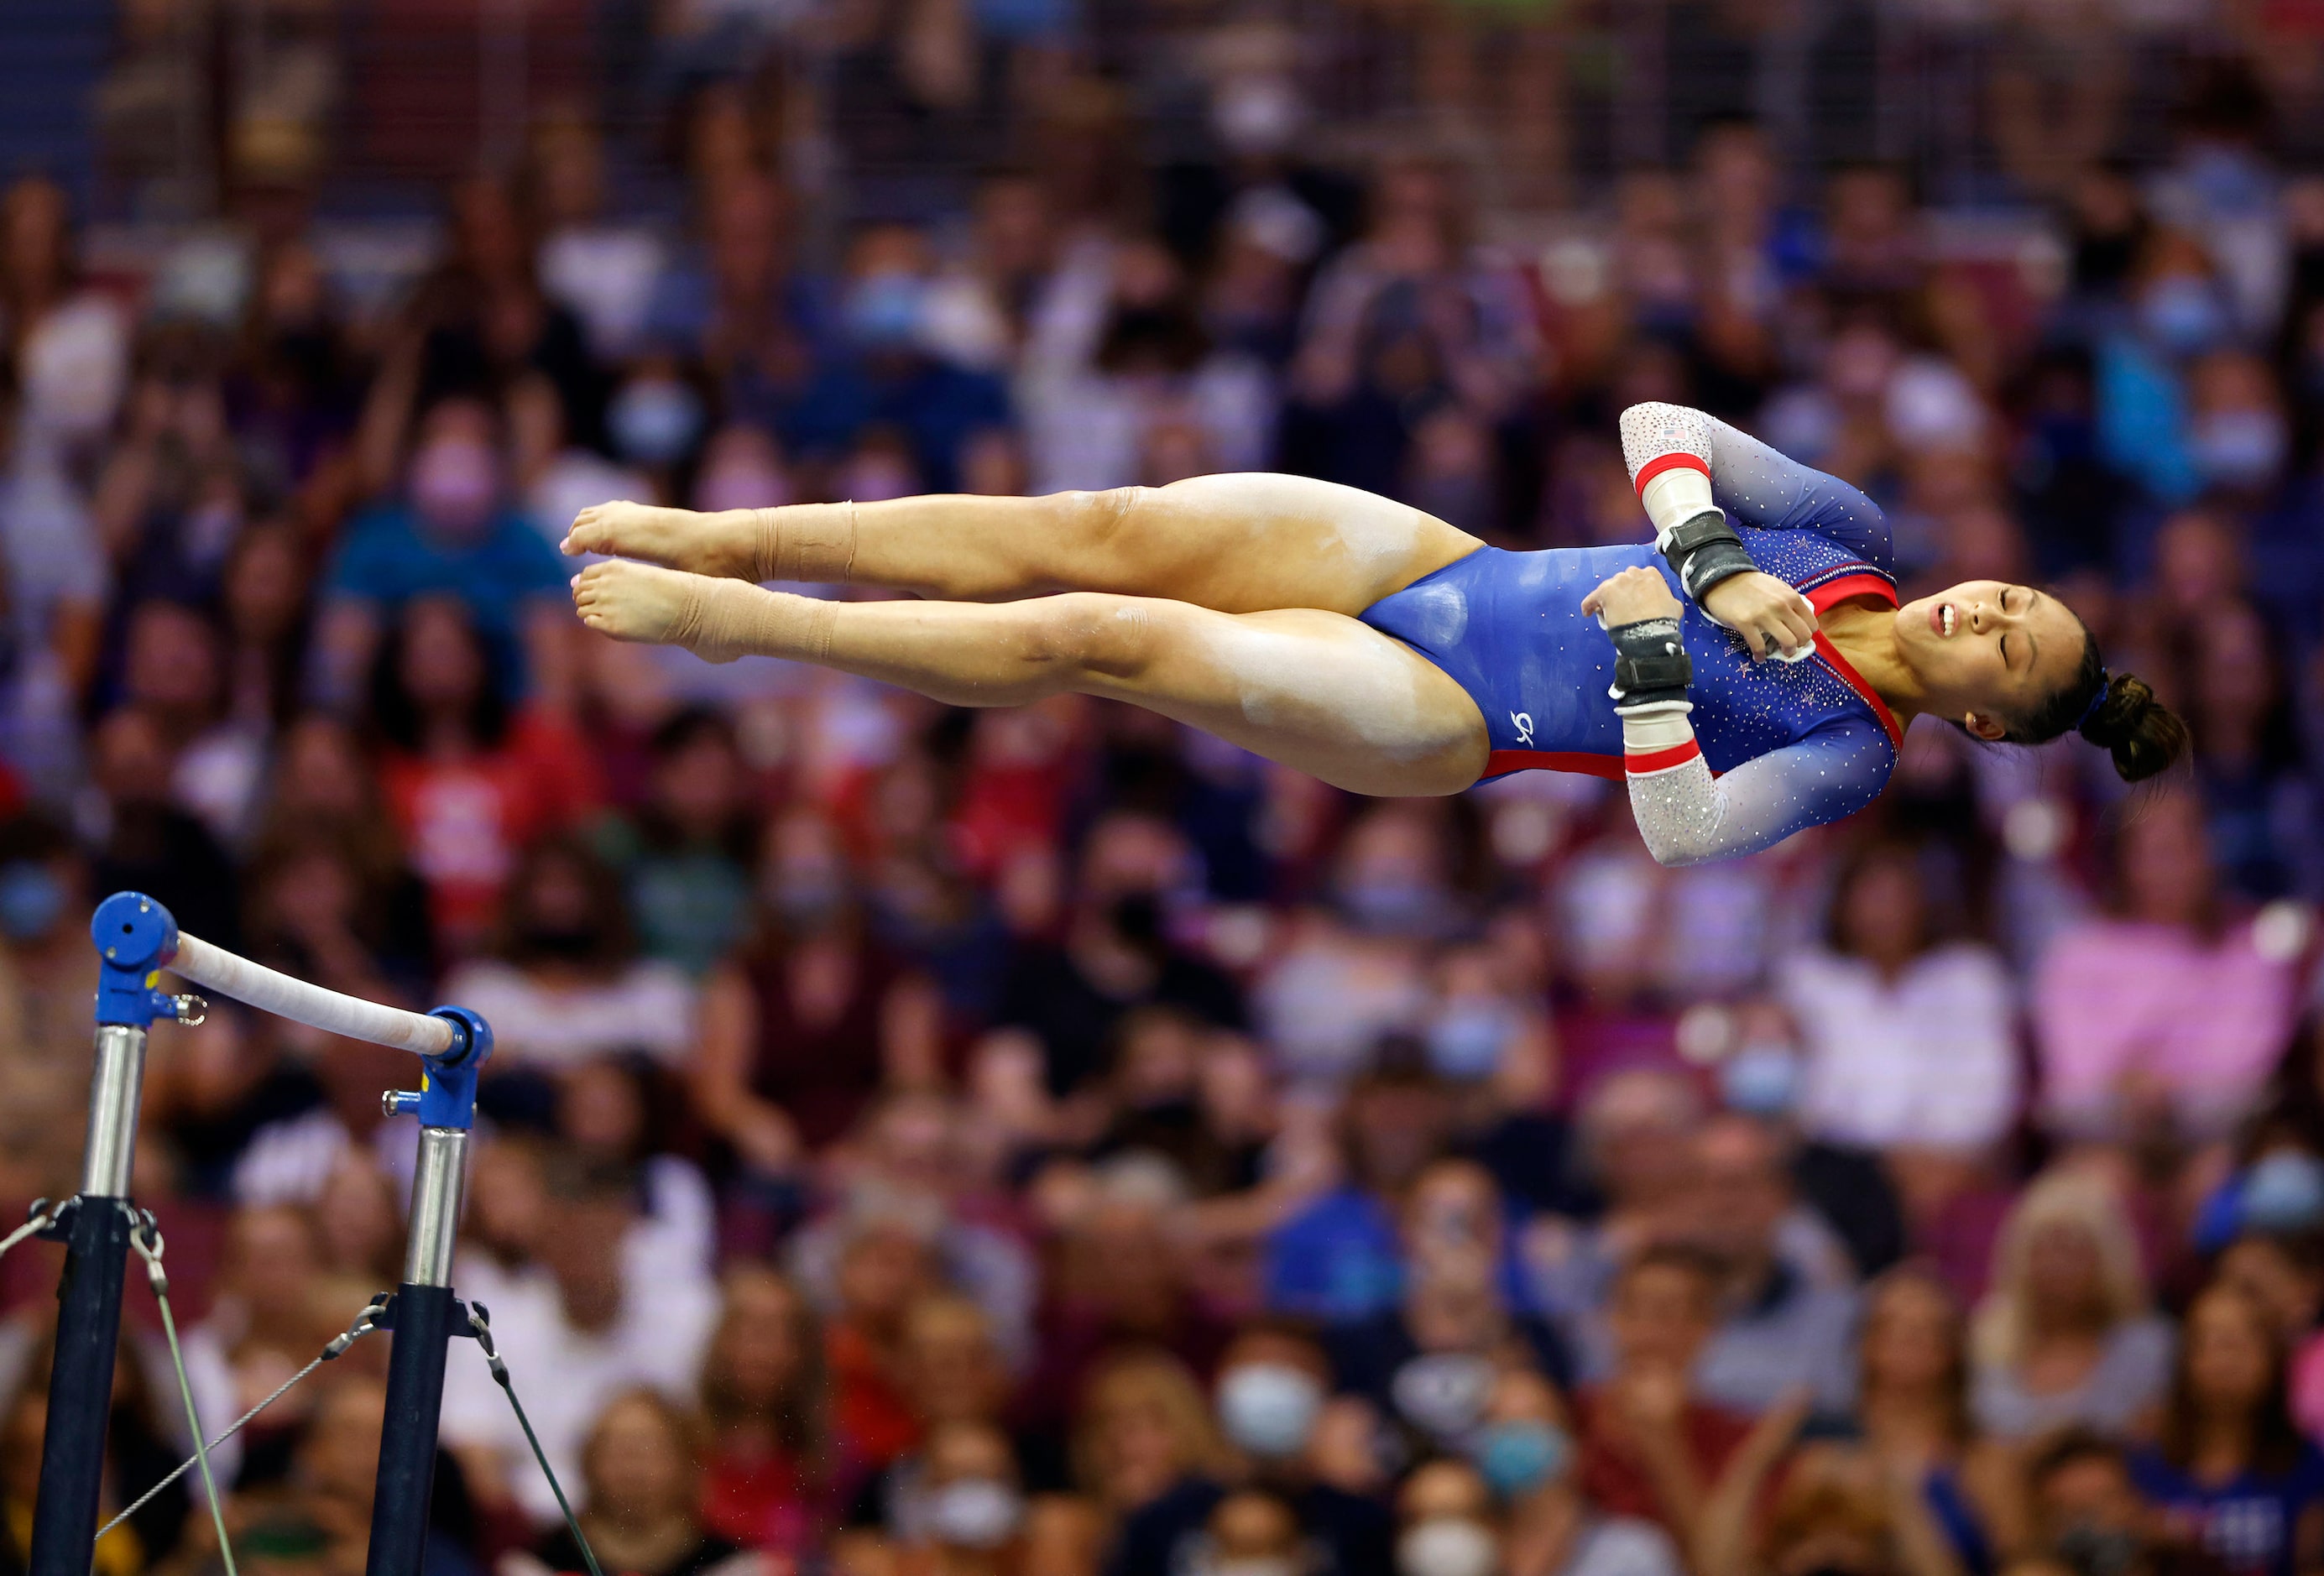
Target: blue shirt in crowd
x: 2251, y: 1522
x: 388, y: 559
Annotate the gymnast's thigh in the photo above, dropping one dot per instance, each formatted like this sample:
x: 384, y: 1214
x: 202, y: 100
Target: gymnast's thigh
x: 1255, y: 541
x: 1313, y: 690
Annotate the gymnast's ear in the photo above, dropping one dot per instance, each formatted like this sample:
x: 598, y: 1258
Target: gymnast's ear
x: 1982, y: 726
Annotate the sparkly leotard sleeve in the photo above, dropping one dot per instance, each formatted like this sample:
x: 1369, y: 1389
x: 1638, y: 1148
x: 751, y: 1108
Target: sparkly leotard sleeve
x: 1685, y: 813
x: 1773, y: 747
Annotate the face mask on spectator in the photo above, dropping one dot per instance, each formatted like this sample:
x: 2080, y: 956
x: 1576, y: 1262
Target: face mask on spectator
x: 561, y: 941
x: 1137, y: 919
x: 1762, y: 1078
x: 1466, y: 1040
x: 1446, y: 1546
x: 2239, y: 448
x: 2098, y: 1551
x: 2182, y: 315
x: 1520, y: 1455
x: 454, y: 482
x: 655, y: 421
x: 886, y: 311
x: 2282, y: 1192
x: 974, y: 1513
x: 1269, y: 1408
x: 30, y: 898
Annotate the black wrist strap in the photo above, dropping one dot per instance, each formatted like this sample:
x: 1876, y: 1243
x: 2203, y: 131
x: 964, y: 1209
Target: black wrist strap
x: 1650, y: 663
x: 1704, y: 550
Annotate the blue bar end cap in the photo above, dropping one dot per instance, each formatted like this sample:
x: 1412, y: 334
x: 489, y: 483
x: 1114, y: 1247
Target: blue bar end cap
x: 134, y: 937
x: 447, y: 1092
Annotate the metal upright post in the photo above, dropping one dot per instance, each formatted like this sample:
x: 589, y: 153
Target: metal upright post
x: 132, y: 934
x: 425, y: 1311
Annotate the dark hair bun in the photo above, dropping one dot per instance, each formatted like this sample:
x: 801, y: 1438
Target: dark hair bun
x: 2137, y: 730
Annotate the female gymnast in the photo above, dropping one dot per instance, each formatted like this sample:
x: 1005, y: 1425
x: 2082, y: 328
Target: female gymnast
x: 1755, y: 682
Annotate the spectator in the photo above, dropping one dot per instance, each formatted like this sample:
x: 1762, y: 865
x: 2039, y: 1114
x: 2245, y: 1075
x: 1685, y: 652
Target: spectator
x: 1650, y: 1447
x: 639, y: 1471
x: 1636, y: 1133
x: 368, y: 912
x: 805, y: 1023
x: 68, y: 347
x: 1145, y: 1434
x: 59, y: 584
x: 1449, y: 1522
x: 452, y: 536
x: 1526, y: 1454
x: 2229, y: 1472
x: 2168, y: 1015
x: 765, y: 1410
x: 593, y: 1326
x: 685, y: 856
x: 948, y: 1372
x: 48, y: 973
x: 566, y: 986
x: 1116, y: 954
x: 1270, y: 1393
x: 328, y: 1510
x: 623, y: 1112
x: 1788, y: 1295
x: 2088, y: 1513
x: 1911, y: 1408
x: 149, y: 842
x: 2283, y: 1274
x: 1336, y: 1256
x: 1909, y: 1038
x: 1121, y: 1277
x: 1431, y: 1363
x: 2064, y: 1336
x: 468, y: 777
x: 884, y: 1266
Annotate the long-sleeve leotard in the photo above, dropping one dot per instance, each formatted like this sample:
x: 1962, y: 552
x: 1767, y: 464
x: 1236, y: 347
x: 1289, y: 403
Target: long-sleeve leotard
x: 1777, y: 747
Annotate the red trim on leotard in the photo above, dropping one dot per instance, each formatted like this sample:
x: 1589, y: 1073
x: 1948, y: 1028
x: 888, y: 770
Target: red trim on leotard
x: 1642, y: 762
x: 1587, y: 762
x: 1824, y: 599
x: 1833, y: 593
x: 1678, y: 459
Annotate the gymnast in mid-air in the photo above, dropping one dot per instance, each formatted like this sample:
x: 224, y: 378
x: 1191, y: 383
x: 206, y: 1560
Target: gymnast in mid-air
x: 1750, y: 673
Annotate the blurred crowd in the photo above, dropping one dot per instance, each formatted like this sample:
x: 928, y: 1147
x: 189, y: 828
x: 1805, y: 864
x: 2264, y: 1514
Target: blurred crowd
x: 1049, y: 1143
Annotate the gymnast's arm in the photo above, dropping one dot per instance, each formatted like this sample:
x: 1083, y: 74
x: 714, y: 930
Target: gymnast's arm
x: 1665, y: 446
x: 1687, y: 816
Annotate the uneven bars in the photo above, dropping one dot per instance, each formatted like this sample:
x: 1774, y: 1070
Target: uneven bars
x: 256, y: 985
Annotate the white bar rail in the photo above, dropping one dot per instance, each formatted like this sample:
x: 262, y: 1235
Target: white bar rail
x: 217, y: 969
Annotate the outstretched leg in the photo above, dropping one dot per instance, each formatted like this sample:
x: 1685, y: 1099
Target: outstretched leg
x: 1316, y: 691
x: 1246, y: 543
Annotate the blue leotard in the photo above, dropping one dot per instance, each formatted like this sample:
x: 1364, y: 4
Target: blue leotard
x: 1795, y: 744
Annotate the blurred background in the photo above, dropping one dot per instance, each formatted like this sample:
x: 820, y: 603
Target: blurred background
x: 1049, y: 1143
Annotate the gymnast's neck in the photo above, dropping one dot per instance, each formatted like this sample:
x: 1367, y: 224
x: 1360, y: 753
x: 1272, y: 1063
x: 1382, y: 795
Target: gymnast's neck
x: 1864, y: 633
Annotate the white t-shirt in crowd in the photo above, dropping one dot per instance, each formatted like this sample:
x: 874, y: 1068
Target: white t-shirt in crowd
x: 642, y: 1007
x: 565, y: 1377
x: 1929, y: 1059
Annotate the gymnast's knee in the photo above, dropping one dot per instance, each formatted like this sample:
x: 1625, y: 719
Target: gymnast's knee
x: 1089, y: 634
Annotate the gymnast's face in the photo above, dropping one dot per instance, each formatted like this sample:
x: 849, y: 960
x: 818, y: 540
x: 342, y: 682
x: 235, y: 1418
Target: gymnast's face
x: 1986, y: 650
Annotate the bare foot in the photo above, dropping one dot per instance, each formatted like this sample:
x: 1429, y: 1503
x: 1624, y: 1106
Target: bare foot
x: 722, y: 543
x: 640, y: 602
